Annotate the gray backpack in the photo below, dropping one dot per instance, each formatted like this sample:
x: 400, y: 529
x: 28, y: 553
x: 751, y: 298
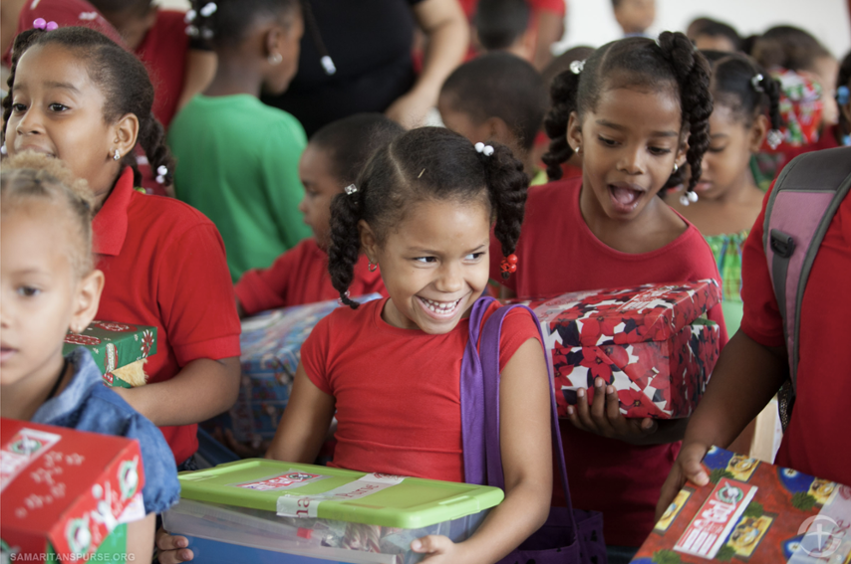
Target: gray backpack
x: 806, y: 196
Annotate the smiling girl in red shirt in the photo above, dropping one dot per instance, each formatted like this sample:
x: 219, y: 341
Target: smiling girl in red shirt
x: 78, y: 96
x: 636, y: 113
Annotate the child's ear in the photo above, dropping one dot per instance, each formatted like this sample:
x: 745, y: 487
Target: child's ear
x: 87, y: 300
x: 574, y: 131
x: 757, y: 134
x: 496, y: 129
x: 126, y: 133
x: 274, y: 41
x: 368, y: 241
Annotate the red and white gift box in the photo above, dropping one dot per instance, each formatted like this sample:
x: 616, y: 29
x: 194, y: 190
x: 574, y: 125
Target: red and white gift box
x: 62, y: 492
x: 652, y: 343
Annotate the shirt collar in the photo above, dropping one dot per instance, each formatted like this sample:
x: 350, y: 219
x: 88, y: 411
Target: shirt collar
x: 110, y: 224
x: 86, y: 373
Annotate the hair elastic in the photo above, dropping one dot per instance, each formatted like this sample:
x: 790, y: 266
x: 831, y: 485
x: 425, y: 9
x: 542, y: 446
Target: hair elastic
x: 577, y: 66
x: 3, y: 149
x: 486, y: 150
x: 842, y: 95
x: 508, y: 265
x: 209, y: 9
x: 350, y: 189
x: 689, y: 197
x: 190, y: 16
x: 774, y: 138
x: 756, y: 82
x: 41, y: 23
x: 162, y: 170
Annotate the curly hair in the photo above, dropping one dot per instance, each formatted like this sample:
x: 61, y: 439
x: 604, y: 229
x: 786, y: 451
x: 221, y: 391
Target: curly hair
x: 743, y: 86
x: 635, y: 62
x: 29, y: 176
x: 122, y: 78
x: 227, y: 24
x: 429, y: 163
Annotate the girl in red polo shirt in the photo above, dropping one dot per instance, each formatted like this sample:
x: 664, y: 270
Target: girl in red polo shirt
x: 76, y: 95
x: 636, y: 113
x: 422, y: 212
x: 332, y: 159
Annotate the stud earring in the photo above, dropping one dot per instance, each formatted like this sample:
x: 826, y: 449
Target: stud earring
x: 676, y: 168
x: 578, y: 149
x: 116, y: 156
x: 275, y: 58
x: 372, y: 266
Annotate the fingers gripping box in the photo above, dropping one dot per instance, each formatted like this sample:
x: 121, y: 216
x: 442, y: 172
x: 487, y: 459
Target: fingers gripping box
x: 64, y: 494
x: 652, y: 343
x: 753, y: 512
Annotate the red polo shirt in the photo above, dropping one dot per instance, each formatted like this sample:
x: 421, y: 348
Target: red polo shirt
x: 300, y: 276
x: 165, y: 266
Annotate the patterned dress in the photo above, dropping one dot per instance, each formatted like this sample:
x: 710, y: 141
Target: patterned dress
x: 727, y: 250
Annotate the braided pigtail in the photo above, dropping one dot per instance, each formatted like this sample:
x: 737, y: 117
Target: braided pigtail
x: 344, y: 250
x: 692, y: 74
x: 563, y: 93
x: 771, y: 87
x: 507, y: 186
x: 22, y: 43
x: 152, y: 140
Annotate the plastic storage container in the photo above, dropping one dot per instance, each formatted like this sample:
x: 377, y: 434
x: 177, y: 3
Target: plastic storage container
x: 256, y: 510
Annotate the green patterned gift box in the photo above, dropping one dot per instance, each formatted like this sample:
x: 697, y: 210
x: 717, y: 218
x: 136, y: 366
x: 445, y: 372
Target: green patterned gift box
x: 113, y: 346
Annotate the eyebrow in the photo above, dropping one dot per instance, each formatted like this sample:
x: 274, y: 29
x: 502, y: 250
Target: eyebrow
x: 617, y: 127
x: 716, y: 135
x: 425, y: 251
x: 63, y: 85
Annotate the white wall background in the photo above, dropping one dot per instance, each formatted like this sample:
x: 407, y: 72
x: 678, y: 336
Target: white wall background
x: 590, y: 22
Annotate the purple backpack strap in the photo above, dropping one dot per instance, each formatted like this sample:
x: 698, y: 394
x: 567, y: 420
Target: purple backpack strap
x: 797, y: 215
x: 488, y: 374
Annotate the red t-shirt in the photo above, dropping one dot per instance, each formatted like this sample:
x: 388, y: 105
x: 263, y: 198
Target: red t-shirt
x: 397, y: 391
x: 814, y: 442
x: 555, y: 6
x: 300, y: 276
x: 65, y: 13
x: 558, y: 253
x: 163, y: 50
x: 165, y: 266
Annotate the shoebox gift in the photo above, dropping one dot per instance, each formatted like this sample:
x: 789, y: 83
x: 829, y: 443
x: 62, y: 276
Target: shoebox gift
x: 753, y: 511
x: 65, y: 495
x: 118, y: 349
x: 271, y: 350
x: 258, y: 510
x: 653, y: 343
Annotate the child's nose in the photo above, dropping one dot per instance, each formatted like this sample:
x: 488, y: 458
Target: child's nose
x: 451, y: 278
x: 632, y: 160
x: 30, y: 122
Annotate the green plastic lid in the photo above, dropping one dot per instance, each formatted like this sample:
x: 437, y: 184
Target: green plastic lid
x: 306, y: 490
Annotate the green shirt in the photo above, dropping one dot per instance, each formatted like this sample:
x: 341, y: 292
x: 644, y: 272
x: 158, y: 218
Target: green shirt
x: 237, y: 162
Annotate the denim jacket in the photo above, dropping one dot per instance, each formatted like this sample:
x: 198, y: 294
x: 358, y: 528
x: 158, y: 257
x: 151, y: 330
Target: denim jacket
x: 87, y: 404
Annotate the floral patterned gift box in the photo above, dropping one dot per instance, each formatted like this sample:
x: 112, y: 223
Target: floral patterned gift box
x: 652, y: 343
x: 115, y: 346
x: 753, y: 512
x: 66, y: 495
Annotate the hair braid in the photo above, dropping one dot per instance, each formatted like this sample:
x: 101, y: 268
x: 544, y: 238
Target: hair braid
x: 563, y: 92
x: 344, y: 250
x: 772, y: 89
x: 507, y: 185
x: 692, y: 74
x: 152, y: 140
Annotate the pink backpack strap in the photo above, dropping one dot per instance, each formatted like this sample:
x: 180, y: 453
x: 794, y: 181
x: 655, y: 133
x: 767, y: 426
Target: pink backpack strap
x: 805, y: 198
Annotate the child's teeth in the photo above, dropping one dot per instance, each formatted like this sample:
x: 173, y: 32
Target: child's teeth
x: 440, y: 307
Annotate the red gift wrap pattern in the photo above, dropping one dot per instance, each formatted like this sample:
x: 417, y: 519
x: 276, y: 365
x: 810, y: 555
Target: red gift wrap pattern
x: 652, y: 343
x: 755, y: 512
x: 64, y: 490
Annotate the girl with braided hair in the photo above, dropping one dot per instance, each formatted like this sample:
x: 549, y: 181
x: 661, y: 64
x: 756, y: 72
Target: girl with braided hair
x: 422, y: 211
x: 77, y: 96
x: 637, y: 113
x: 745, y: 111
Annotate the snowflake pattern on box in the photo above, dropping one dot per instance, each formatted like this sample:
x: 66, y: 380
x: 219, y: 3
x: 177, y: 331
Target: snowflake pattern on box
x: 651, y: 343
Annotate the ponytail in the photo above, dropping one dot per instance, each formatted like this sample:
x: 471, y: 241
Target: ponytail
x: 507, y: 186
x: 344, y: 250
x: 564, y: 94
x: 691, y: 72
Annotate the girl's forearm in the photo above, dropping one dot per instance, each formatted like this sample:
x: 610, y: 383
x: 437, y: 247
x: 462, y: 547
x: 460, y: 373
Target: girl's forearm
x: 745, y: 379
x: 202, y: 389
